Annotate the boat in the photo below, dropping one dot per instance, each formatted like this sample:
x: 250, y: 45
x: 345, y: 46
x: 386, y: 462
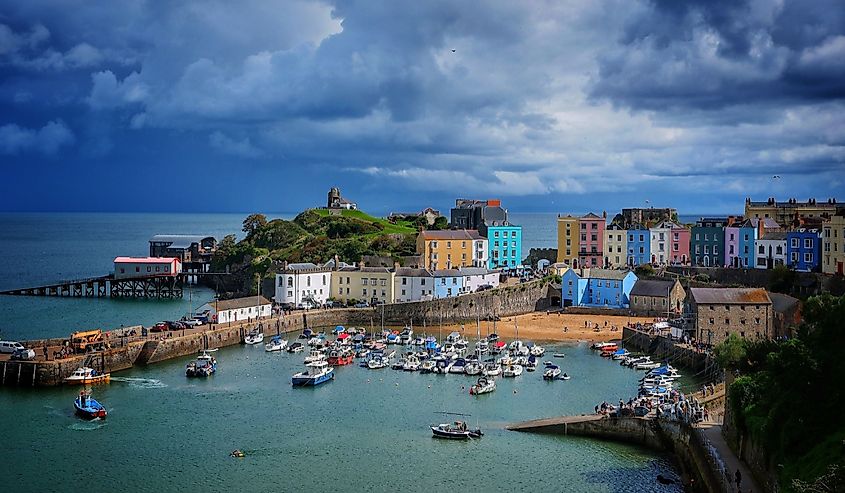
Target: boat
x: 428, y: 366
x: 255, y: 336
x: 512, y: 371
x: 492, y: 370
x: 276, y: 344
x: 666, y: 371
x: 296, y: 347
x: 377, y: 363
x: 483, y: 386
x: 398, y: 364
x: 552, y: 372
x: 406, y: 336
x: 559, y: 355
x: 204, y: 366
x: 482, y: 346
x: 412, y: 363
x: 473, y: 368
x: 493, y: 337
x: 537, y: 350
x: 315, y: 373
x: 341, y: 357
x: 393, y: 338
x: 456, y: 431
x: 458, y: 366
x: 564, y: 376
x: 315, y: 355
x: 602, y: 345
x: 454, y: 337
x: 418, y: 341
x: 531, y: 364
x: 607, y: 351
x: 87, y: 376
x: 461, y: 348
x: 646, y: 365
x: 87, y: 407
x: 620, y: 354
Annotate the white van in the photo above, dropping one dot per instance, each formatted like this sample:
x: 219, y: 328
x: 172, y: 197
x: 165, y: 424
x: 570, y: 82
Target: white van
x: 9, y: 346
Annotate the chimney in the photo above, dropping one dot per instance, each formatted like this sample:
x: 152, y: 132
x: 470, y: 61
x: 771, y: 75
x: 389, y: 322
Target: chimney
x: 285, y: 265
x: 760, y: 228
x: 604, y: 214
x: 395, y: 266
x: 336, y: 262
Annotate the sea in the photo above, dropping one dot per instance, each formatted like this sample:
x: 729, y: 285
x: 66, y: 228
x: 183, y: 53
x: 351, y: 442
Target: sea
x: 365, y: 431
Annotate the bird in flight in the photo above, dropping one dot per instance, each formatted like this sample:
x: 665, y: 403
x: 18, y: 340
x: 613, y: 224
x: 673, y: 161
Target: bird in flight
x: 776, y: 177
x: 453, y: 51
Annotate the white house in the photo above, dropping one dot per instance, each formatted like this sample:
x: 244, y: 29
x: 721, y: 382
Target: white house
x: 479, y: 252
x: 249, y: 308
x: 129, y: 267
x: 413, y: 285
x: 475, y: 277
x: 303, y: 285
x: 660, y: 242
x: 770, y: 250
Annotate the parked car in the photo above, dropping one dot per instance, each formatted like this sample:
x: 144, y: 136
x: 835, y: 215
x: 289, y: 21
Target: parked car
x: 24, y: 354
x: 361, y: 305
x: 484, y: 287
x: 160, y: 327
x: 192, y: 322
x: 10, y: 346
x: 177, y: 325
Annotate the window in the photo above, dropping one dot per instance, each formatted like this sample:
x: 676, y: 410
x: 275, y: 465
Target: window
x: 290, y: 281
x: 364, y: 281
x: 156, y: 268
x: 324, y: 279
x: 347, y: 282
x: 712, y: 321
x: 593, y: 238
x: 290, y: 294
x: 463, y: 244
x: 808, y: 243
x: 808, y: 257
x: 583, y: 237
x: 641, y: 238
x: 433, y: 244
x: 384, y: 282
x: 630, y: 237
x: 448, y: 244
x: 403, y: 292
x: 308, y: 280
x: 513, y: 234
x: 404, y: 282
x: 122, y: 271
x: 794, y: 242
x: 496, y: 234
x: 757, y: 320
x: 727, y: 321
x: 794, y: 257
x: 422, y: 283
x: 149, y: 269
x: 364, y: 291
x: 373, y: 281
x: 761, y: 250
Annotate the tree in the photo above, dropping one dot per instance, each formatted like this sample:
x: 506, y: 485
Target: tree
x: 440, y: 223
x: 253, y: 224
x: 730, y: 353
x: 782, y: 279
x: 644, y: 270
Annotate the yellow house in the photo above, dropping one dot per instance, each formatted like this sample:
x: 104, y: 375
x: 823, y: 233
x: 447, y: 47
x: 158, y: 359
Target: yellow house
x: 567, y: 239
x: 833, y: 245
x: 366, y: 284
x: 450, y: 249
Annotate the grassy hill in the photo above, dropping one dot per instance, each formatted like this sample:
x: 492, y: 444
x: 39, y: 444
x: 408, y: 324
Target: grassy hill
x: 400, y: 227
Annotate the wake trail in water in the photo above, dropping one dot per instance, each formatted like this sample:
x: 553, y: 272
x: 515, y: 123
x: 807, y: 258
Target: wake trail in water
x: 141, y: 383
x: 92, y: 425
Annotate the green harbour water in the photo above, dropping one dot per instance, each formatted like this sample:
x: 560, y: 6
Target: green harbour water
x: 365, y: 431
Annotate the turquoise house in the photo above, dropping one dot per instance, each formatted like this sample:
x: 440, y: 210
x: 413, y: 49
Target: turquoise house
x: 600, y: 288
x: 504, y: 244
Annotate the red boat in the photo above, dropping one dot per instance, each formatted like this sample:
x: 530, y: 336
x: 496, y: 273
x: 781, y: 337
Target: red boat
x: 607, y: 351
x: 339, y: 357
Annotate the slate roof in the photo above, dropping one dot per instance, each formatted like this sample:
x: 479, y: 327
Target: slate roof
x: 783, y: 303
x: 775, y: 235
x: 452, y: 234
x: 238, y: 303
x: 652, y: 288
x: 727, y: 296
x: 613, y: 274
x: 409, y: 272
x: 475, y: 271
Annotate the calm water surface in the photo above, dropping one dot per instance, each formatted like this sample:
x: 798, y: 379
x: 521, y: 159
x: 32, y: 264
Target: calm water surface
x: 365, y: 431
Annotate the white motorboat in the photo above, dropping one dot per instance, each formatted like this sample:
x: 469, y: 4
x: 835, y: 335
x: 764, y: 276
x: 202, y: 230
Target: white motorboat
x: 315, y: 355
x: 647, y: 365
x: 406, y: 336
x: 412, y: 363
x: 552, y: 372
x: 512, y: 371
x: 295, y: 347
x: 377, y: 363
x: 473, y: 368
x: 483, y: 386
x: 428, y: 366
x: 482, y: 346
x: 448, y: 348
x: 255, y: 336
x: 602, y: 345
x: 457, y: 366
x: 461, y: 348
x: 276, y: 344
x: 492, y: 369
x: 537, y: 350
x: 315, y: 373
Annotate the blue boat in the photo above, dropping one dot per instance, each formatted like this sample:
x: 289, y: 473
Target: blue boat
x: 315, y: 373
x: 87, y: 407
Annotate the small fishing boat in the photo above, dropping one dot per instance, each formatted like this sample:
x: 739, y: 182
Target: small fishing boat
x: 531, y: 364
x: 204, y: 366
x: 473, y: 368
x: 455, y: 431
x: 315, y: 373
x: 483, y: 386
x: 341, y: 357
x: 559, y: 355
x: 255, y: 336
x: 602, y: 345
x: 512, y: 371
x: 276, y: 344
x: 87, y: 407
x: 552, y: 372
x: 620, y: 354
x: 296, y: 347
x: 87, y: 376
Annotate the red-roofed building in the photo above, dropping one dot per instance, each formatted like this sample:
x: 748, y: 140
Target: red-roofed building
x: 128, y: 267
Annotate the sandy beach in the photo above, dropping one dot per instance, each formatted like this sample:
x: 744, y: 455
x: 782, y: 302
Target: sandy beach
x: 540, y: 326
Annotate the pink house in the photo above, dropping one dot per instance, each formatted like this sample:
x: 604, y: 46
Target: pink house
x: 591, y: 240
x: 679, y: 244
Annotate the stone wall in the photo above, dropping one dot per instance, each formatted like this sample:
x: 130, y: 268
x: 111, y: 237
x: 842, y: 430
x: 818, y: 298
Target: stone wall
x: 664, y: 348
x: 807, y: 283
x: 589, y: 310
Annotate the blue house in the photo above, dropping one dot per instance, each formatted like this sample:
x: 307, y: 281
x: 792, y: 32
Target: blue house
x: 803, y: 249
x: 747, y: 236
x: 504, y: 244
x: 639, y: 246
x: 603, y: 288
x: 448, y: 283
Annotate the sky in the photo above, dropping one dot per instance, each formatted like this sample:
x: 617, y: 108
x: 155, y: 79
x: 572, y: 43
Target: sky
x: 559, y: 106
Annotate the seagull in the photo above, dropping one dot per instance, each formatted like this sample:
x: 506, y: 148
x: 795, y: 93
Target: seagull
x: 776, y: 177
x: 453, y: 51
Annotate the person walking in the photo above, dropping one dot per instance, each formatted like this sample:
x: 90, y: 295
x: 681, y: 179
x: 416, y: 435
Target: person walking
x: 738, y: 480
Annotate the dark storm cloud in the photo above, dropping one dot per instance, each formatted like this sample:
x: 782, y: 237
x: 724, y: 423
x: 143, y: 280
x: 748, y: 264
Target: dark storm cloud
x: 538, y: 101
x: 714, y: 54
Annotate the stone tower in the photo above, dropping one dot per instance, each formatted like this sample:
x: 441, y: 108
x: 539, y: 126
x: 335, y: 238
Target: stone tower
x: 334, y: 198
